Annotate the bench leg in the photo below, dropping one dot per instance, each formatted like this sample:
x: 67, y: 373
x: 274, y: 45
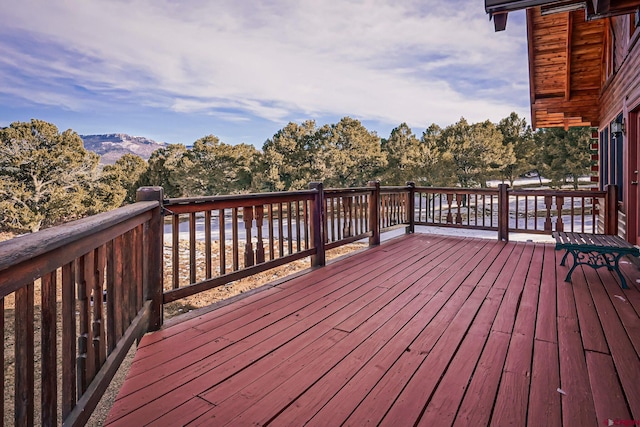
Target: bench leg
x: 575, y: 263
x: 616, y: 267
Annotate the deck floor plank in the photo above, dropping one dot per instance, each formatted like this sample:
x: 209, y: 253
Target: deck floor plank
x: 424, y: 329
x: 513, y: 393
x: 624, y: 357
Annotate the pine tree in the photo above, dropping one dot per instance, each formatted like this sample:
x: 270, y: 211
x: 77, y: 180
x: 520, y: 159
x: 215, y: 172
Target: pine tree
x: 46, y: 177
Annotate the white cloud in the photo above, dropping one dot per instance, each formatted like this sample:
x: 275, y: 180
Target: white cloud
x: 414, y: 61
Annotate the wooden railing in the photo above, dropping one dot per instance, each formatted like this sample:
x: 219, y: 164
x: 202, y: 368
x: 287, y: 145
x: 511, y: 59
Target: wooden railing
x: 475, y: 208
x: 508, y: 210
x: 91, y: 288
x: 545, y: 211
x: 100, y: 279
x: 251, y: 233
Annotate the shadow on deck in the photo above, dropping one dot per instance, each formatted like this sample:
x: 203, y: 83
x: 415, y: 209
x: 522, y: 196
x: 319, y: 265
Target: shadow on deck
x: 423, y: 329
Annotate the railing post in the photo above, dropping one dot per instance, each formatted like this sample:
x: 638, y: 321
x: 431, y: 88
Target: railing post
x: 374, y: 213
x: 153, y: 263
x: 611, y: 210
x: 503, y: 212
x: 317, y: 225
x: 411, y: 207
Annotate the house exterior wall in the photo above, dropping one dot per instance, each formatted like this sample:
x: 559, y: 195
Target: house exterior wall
x: 620, y: 102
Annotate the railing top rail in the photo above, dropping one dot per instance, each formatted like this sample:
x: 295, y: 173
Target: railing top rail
x: 32, y: 255
x: 538, y: 192
x: 348, y: 190
x: 238, y: 197
x: 457, y: 190
x: 394, y: 188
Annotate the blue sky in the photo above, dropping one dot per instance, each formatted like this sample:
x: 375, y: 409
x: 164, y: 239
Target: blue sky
x: 177, y: 70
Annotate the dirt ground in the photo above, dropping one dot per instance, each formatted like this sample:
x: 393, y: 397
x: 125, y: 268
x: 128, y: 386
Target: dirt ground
x: 171, y: 310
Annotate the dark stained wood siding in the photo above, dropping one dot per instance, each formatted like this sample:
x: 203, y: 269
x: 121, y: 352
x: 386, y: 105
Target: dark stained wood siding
x: 621, y: 92
x: 565, y: 54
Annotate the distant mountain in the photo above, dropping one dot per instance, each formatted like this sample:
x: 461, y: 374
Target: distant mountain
x: 112, y: 146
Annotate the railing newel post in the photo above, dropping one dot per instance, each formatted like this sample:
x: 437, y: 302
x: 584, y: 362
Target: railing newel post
x: 411, y: 214
x: 153, y: 260
x: 374, y: 213
x: 317, y: 225
x: 503, y: 212
x: 611, y: 210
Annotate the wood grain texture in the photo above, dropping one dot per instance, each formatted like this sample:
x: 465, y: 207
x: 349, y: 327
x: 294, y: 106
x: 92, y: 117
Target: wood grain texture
x: 421, y: 329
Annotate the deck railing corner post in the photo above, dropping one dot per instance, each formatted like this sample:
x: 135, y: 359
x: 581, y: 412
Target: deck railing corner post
x: 153, y: 274
x: 317, y: 225
x: 411, y: 208
x: 503, y: 212
x: 374, y: 213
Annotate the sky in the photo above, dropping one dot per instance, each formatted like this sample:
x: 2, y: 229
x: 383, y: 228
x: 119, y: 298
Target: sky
x: 177, y: 70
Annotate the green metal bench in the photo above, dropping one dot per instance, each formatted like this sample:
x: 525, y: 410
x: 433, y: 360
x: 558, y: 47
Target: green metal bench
x: 595, y: 250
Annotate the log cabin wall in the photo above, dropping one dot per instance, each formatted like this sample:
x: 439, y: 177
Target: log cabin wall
x: 621, y: 92
x: 620, y: 99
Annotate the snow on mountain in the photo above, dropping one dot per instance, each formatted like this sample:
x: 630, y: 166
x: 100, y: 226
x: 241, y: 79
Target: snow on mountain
x: 112, y: 146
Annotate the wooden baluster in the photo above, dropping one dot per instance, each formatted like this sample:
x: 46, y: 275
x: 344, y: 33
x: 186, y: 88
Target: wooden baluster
x: 573, y: 214
x: 535, y: 212
x: 458, y: 203
x: 329, y: 204
x: 491, y: 209
x: 449, y: 203
x: 192, y: 248
x: 222, y: 243
x: 305, y: 212
x: 526, y: 212
x: 559, y: 205
x: 584, y: 214
x: 24, y: 352
x: 270, y: 223
x: 99, y: 338
x: 298, y: 237
x: 127, y: 281
x: 234, y: 237
x: 49, y: 350
x: 347, y: 223
x: 517, y: 211
x: 207, y: 245
x: 85, y: 354
x: 137, y: 248
x: 547, y: 223
x: 175, y: 250
x: 280, y: 231
x: 290, y: 227
x: 247, y: 217
x: 260, y: 244
x: 69, y: 337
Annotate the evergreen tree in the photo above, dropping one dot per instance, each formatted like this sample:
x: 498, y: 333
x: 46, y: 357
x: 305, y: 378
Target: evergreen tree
x: 123, y: 177
x: 564, y: 154
x: 437, y: 168
x: 46, y: 176
x: 405, y: 156
x: 475, y: 152
x: 352, y: 155
x: 212, y: 167
x: 163, y: 169
x: 291, y: 157
x: 517, y: 135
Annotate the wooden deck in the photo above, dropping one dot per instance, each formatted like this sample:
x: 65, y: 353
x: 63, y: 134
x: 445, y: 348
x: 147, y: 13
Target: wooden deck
x: 425, y: 330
